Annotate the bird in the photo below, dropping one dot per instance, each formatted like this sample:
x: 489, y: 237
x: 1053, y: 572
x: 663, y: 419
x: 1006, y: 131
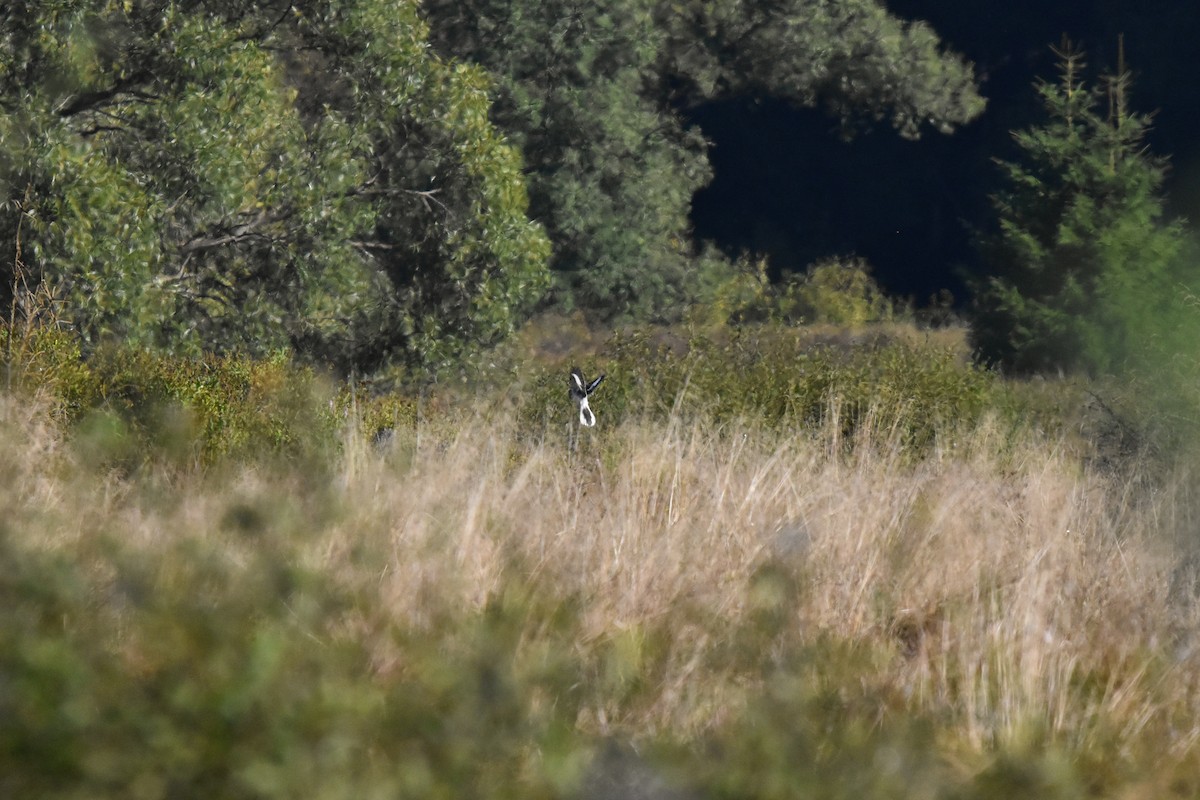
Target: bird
x: 580, y: 389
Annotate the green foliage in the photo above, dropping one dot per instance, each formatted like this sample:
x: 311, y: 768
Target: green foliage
x: 48, y: 359
x: 232, y: 177
x: 224, y: 405
x: 781, y: 377
x: 190, y: 670
x: 744, y: 295
x: 612, y: 171
x: 219, y: 666
x: 239, y: 177
x: 1083, y: 263
x: 377, y: 415
x: 595, y: 95
x: 812, y: 733
x: 131, y: 405
x: 836, y: 291
x: 853, y: 57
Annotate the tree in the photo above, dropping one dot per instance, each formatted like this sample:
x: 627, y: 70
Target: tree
x: 853, y: 57
x: 611, y: 171
x: 596, y: 95
x: 225, y: 175
x: 1082, y: 259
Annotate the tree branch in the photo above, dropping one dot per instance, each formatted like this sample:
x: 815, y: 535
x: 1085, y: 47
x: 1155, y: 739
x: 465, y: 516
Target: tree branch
x: 238, y: 233
x: 89, y: 100
x: 259, y: 34
x: 367, y: 245
x: 428, y: 197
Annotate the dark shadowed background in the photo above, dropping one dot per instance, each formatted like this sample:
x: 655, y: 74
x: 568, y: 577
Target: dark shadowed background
x: 787, y: 185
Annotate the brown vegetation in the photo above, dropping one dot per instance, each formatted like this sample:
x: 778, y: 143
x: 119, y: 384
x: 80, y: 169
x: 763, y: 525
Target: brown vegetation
x: 994, y: 585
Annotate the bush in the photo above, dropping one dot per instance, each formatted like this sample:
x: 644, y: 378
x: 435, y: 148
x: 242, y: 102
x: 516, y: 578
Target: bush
x: 839, y: 291
x: 778, y: 376
x: 190, y: 671
x: 132, y: 404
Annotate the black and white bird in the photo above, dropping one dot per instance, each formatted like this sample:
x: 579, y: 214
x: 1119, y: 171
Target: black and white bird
x: 580, y: 389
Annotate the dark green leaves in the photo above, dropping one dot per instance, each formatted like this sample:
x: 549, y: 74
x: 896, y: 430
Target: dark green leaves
x: 853, y: 57
x: 596, y: 94
x: 230, y: 176
x: 1082, y: 260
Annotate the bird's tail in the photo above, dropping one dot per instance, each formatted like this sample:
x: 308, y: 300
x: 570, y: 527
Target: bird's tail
x: 586, y: 418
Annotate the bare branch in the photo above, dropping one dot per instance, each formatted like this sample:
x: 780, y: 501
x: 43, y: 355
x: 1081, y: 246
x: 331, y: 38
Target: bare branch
x: 238, y: 233
x: 87, y: 133
x: 87, y: 101
x: 373, y: 245
x: 428, y: 197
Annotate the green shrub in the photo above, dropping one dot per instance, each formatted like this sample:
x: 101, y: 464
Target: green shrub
x: 133, y: 404
x: 839, y: 291
x: 775, y: 375
x: 185, y: 672
x: 377, y: 414
x: 226, y: 405
x: 49, y: 360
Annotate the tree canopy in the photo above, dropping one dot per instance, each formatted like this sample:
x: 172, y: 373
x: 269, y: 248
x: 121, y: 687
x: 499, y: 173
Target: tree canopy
x: 596, y: 95
x: 226, y: 175
x: 218, y: 174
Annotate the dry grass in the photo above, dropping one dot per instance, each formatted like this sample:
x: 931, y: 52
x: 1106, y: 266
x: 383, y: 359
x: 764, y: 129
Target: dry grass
x: 1009, y: 589
x: 997, y: 585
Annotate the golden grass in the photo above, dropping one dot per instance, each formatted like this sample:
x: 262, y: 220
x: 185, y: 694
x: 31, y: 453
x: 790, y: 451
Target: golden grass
x: 997, y: 585
x: 1004, y: 587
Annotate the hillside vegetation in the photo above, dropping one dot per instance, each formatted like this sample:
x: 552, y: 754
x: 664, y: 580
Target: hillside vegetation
x: 783, y: 564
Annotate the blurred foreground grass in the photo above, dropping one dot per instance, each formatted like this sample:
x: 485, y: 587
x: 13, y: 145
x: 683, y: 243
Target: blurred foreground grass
x: 774, y: 570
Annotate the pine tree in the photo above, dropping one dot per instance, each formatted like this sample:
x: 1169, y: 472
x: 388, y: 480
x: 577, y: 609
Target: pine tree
x: 1082, y: 258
